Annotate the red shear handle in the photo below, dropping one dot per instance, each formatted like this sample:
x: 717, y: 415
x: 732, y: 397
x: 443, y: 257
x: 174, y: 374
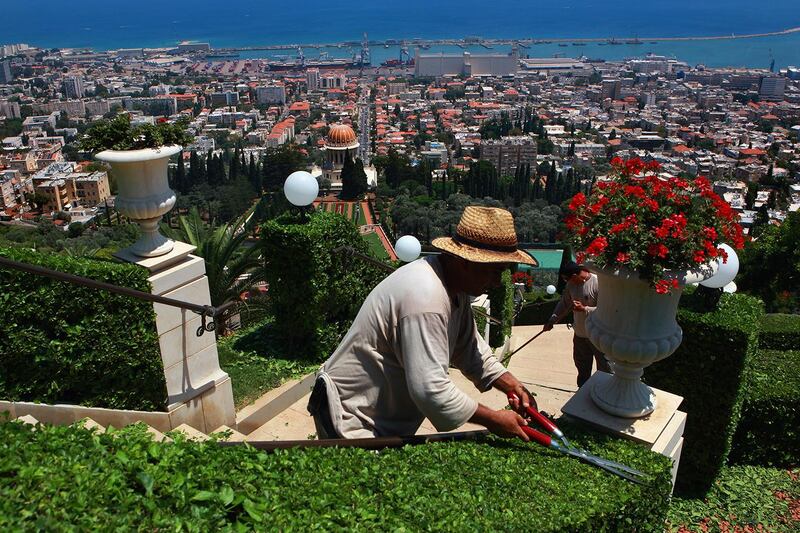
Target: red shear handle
x: 540, y: 418
x: 537, y: 436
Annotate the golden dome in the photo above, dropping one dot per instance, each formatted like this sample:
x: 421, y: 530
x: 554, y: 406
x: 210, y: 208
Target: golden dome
x: 341, y: 135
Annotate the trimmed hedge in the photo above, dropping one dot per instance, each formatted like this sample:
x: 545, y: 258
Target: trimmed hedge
x: 63, y: 343
x: 538, y: 310
x: 709, y: 371
x: 62, y: 478
x: 502, y: 308
x: 780, y: 332
x: 769, y: 430
x: 315, y: 293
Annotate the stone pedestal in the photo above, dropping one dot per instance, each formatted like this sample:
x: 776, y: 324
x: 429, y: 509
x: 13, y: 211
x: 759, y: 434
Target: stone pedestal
x: 661, y: 430
x: 196, y: 385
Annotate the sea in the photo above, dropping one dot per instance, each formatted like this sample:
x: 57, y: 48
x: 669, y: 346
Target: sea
x: 112, y: 24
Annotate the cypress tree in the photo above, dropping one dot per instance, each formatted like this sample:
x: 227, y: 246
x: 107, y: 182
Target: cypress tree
x: 180, y: 176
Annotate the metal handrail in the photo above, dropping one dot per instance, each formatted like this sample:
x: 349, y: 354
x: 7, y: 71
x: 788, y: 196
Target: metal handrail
x: 205, y: 311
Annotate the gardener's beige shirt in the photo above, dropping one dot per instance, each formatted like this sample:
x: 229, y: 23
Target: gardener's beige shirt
x: 391, y: 369
x: 586, y: 293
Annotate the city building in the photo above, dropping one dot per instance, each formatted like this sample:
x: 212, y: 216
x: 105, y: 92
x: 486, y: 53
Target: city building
x: 223, y: 99
x: 5, y: 72
x: 10, y: 109
x: 271, y: 94
x: 772, y: 88
x: 73, y: 87
x: 508, y: 153
x: 340, y: 143
x: 332, y: 80
x: 312, y: 79
x: 466, y: 64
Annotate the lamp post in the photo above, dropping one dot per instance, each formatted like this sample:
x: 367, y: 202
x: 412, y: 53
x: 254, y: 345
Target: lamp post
x: 301, y: 189
x: 712, y: 288
x: 407, y: 248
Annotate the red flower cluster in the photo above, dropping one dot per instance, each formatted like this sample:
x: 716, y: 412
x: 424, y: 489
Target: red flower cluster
x: 522, y: 277
x: 651, y: 224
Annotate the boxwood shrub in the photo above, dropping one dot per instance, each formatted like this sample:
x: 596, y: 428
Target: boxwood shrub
x: 62, y: 478
x: 709, y: 371
x: 502, y: 307
x: 780, y: 332
x: 769, y: 430
x: 315, y: 293
x: 63, y: 343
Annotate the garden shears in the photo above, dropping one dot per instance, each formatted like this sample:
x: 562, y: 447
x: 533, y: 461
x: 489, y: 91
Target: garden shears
x: 561, y: 444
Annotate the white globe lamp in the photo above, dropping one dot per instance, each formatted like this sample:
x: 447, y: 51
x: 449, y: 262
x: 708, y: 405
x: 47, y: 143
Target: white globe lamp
x: 551, y: 289
x: 730, y: 287
x: 727, y: 270
x: 301, y: 188
x: 407, y: 248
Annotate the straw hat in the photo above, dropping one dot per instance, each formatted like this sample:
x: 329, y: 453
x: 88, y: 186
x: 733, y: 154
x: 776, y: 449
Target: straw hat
x: 485, y: 235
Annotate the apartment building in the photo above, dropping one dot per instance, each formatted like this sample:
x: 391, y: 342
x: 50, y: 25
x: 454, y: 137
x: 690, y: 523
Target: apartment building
x: 508, y: 153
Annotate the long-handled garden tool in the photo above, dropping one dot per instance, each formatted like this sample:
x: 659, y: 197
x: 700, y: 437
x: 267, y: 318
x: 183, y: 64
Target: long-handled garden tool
x: 564, y: 446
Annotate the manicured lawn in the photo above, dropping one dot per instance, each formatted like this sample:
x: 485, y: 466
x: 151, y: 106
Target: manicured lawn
x: 362, y: 219
x: 256, y: 366
x: 376, y: 246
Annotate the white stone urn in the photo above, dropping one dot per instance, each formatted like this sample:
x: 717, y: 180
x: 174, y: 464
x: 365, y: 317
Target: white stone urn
x: 143, y: 193
x: 634, y: 327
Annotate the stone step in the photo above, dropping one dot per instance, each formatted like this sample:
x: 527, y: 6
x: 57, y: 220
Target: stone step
x: 88, y: 423
x: 28, y: 419
x: 191, y: 433
x: 157, y: 435
x: 234, y: 436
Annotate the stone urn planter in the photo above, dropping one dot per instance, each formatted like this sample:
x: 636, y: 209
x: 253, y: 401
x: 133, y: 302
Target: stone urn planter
x: 634, y: 327
x: 143, y: 193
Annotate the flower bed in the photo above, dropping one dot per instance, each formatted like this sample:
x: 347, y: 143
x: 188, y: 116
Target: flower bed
x: 651, y: 225
x: 62, y: 478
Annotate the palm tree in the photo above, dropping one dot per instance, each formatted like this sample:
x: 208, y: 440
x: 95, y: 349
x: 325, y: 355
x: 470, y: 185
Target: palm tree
x: 231, y: 266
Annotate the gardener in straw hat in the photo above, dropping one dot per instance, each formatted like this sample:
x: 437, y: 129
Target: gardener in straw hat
x: 390, y: 371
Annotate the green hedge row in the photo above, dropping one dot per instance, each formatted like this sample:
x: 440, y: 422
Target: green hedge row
x: 537, y: 312
x: 63, y: 343
x: 769, y: 430
x: 62, y: 478
x: 780, y: 332
x: 709, y: 371
x: 502, y: 308
x: 315, y: 293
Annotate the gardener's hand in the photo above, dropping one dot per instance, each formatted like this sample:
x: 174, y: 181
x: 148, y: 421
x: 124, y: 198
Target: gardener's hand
x: 547, y: 326
x: 578, y: 307
x: 508, y: 384
x: 502, y: 423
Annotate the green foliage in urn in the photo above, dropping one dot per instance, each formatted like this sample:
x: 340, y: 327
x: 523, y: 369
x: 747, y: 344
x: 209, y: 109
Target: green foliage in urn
x: 315, y: 292
x: 709, y: 370
x: 780, y: 332
x: 119, y: 134
x: 63, y: 478
x: 650, y: 224
x: 769, y: 431
x: 63, y: 343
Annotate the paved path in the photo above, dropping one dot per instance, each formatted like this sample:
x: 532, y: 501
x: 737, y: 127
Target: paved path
x: 545, y: 366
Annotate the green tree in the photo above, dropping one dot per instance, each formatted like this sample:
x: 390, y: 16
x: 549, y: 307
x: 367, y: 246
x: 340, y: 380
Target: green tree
x: 232, y: 268
x: 278, y: 163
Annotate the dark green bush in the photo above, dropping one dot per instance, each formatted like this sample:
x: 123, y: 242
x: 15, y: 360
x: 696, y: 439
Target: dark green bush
x: 502, y: 308
x: 780, y: 332
x: 537, y: 309
x: 315, y: 293
x: 769, y: 430
x: 61, y: 478
x: 709, y: 371
x: 63, y: 343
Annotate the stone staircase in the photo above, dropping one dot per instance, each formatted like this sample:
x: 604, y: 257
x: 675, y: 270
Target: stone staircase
x: 545, y: 367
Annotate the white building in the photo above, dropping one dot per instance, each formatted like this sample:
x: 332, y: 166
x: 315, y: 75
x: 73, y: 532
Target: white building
x: 466, y: 64
x: 271, y: 94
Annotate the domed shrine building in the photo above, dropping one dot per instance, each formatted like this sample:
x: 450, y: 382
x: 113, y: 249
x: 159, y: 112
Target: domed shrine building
x: 341, y: 142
